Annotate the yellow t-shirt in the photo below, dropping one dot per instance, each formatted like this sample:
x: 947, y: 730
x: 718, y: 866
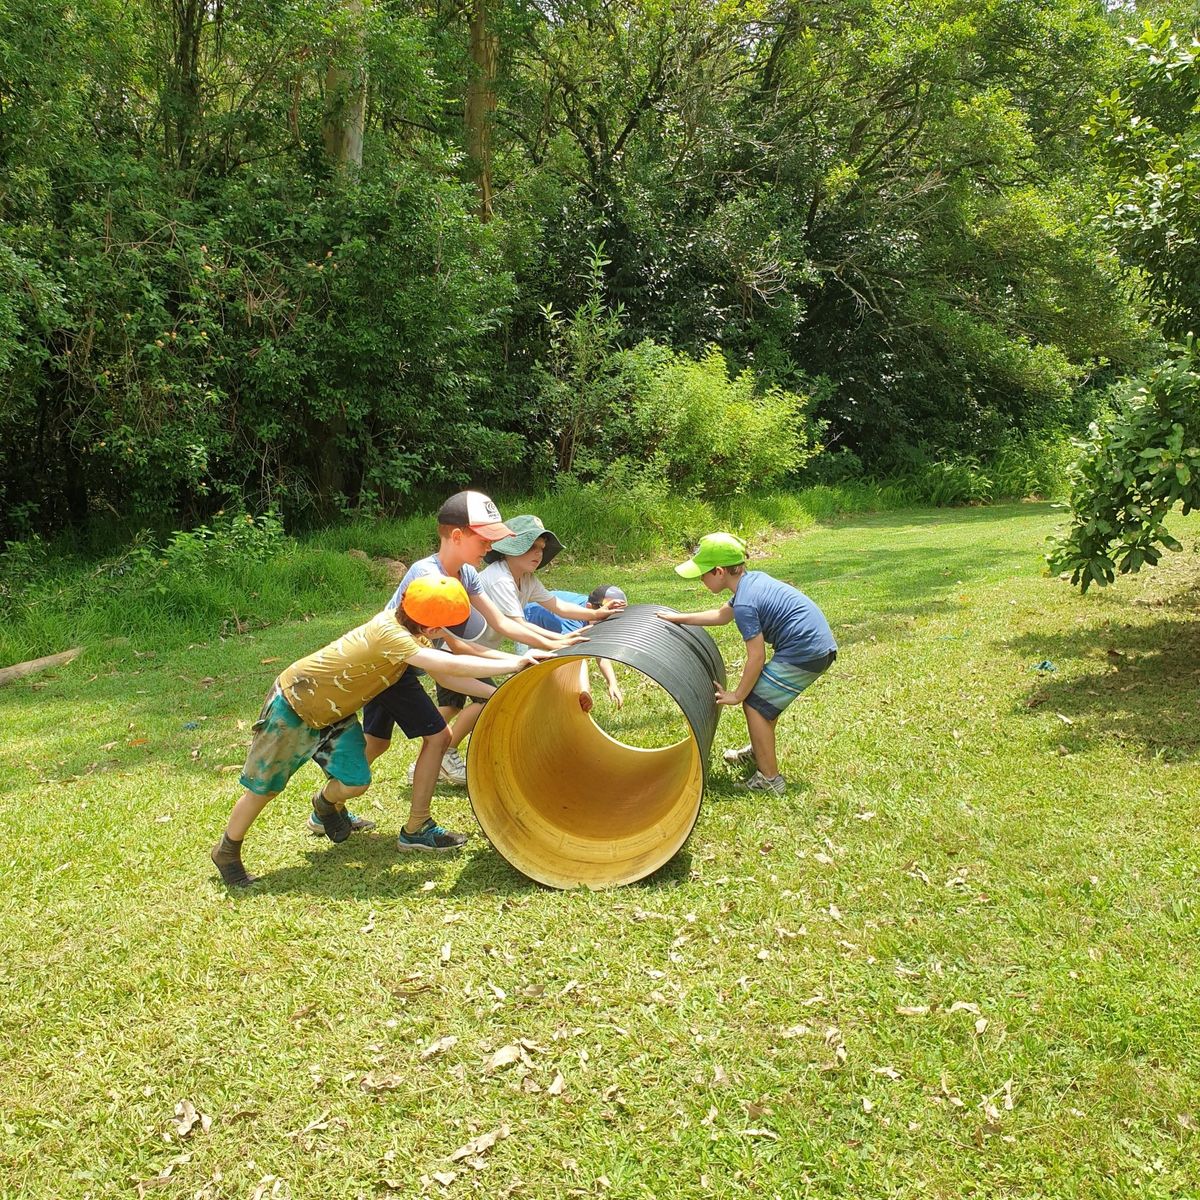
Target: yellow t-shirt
x: 340, y: 678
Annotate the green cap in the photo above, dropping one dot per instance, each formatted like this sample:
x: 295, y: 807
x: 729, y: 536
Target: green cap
x: 714, y: 550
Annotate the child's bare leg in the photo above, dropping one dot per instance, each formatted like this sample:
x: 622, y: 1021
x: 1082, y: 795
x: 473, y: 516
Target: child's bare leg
x: 762, y: 740
x: 425, y: 776
x: 227, y: 853
x: 244, y: 812
x: 337, y: 793
x: 375, y: 746
x: 464, y: 723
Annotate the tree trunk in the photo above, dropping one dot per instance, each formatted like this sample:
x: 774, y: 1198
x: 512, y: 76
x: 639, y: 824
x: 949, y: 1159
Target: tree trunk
x: 183, y: 99
x: 346, y: 105
x: 481, y: 103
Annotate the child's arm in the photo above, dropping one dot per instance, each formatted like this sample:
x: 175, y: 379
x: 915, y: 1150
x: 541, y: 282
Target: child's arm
x: 710, y: 616
x: 522, y: 630
x: 756, y: 657
x: 577, y: 612
x: 438, y: 662
x: 610, y: 677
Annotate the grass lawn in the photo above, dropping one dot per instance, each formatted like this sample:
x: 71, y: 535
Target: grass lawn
x: 960, y: 959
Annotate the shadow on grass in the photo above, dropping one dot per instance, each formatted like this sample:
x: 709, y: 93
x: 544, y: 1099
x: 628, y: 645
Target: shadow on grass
x: 371, y: 867
x: 1142, y: 695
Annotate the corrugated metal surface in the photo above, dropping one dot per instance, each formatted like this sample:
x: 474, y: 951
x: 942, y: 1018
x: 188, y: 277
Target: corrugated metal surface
x: 565, y: 803
x: 682, y: 659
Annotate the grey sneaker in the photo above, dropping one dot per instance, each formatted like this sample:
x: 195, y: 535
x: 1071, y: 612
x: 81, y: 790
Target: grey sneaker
x: 454, y: 769
x: 431, y: 838
x: 758, y: 782
x: 743, y: 756
x: 335, y: 822
x: 357, y: 824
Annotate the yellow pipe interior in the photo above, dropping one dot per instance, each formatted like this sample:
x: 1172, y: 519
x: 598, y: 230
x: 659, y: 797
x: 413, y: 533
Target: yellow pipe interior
x: 565, y: 803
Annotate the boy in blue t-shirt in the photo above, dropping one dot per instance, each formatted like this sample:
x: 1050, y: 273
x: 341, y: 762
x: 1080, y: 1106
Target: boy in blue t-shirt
x: 771, y: 613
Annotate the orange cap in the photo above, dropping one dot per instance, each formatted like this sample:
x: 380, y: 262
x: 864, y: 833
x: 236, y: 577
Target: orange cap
x: 436, y: 600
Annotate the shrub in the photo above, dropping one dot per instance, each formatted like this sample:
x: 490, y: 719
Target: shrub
x: 1133, y: 469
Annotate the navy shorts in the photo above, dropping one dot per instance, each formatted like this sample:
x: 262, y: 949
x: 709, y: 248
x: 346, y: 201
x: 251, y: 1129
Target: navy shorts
x: 407, y: 704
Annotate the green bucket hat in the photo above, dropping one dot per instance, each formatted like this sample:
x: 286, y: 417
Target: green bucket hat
x: 714, y: 550
x: 526, y: 530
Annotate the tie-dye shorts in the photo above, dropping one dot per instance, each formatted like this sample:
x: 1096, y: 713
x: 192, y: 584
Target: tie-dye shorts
x: 283, y: 743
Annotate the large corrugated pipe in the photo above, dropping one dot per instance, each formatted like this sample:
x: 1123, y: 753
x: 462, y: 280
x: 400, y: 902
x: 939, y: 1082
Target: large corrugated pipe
x: 565, y: 803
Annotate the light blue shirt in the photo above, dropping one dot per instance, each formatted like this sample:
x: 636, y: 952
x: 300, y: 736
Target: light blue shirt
x: 790, y: 623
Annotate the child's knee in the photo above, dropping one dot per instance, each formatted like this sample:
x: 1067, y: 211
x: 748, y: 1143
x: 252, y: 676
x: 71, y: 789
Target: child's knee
x: 355, y: 789
x: 441, y: 739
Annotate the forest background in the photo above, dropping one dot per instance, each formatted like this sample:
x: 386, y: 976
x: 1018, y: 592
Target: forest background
x: 315, y: 258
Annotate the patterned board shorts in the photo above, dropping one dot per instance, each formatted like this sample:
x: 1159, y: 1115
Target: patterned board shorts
x: 283, y: 743
x: 779, y: 684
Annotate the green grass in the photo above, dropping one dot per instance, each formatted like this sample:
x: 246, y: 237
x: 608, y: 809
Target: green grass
x: 960, y: 960
x: 53, y: 597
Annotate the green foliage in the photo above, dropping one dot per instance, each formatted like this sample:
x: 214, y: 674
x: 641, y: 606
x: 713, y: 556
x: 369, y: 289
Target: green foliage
x: 1134, y: 468
x: 882, y: 217
x: 1148, y: 136
x: 665, y: 418
x: 713, y: 434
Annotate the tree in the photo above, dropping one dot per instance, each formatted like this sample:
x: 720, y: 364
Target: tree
x: 1148, y: 133
x: 1135, y: 467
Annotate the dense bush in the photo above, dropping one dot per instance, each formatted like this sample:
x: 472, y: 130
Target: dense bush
x: 881, y: 217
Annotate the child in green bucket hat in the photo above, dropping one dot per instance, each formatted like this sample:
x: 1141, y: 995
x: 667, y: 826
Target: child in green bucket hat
x: 768, y: 612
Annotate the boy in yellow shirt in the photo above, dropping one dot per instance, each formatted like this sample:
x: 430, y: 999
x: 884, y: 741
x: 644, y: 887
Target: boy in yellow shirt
x: 312, y: 712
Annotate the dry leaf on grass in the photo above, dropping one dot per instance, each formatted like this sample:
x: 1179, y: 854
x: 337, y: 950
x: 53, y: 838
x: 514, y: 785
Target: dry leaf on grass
x: 763, y: 1133
x: 504, y: 1057
x: 373, y: 1081
x: 912, y: 1010
x: 445, y: 1178
x: 443, y: 1043
x: 481, y: 1144
x: 187, y: 1117
x: 322, y: 1122
x: 164, y: 1175
x: 557, y: 1085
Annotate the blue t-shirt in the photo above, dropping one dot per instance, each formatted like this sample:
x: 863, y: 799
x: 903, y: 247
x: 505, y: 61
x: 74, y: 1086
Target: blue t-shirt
x: 791, y: 624
x: 468, y: 576
x: 543, y: 618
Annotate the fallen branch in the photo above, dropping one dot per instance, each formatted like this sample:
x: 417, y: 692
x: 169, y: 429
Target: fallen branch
x: 34, y: 665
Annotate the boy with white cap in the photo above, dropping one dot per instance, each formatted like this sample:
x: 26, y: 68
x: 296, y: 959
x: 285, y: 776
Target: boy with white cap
x: 469, y: 523
x: 768, y: 612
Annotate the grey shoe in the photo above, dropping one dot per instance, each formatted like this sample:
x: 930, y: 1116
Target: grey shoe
x: 758, y: 782
x: 453, y: 769
x: 743, y: 756
x: 358, y: 824
x: 431, y: 838
x: 334, y: 821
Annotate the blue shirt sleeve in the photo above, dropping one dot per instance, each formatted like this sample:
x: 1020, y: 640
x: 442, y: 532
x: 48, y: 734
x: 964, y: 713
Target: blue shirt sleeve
x: 745, y: 616
x: 468, y: 577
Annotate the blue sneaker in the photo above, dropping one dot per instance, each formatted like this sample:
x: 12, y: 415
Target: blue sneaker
x: 431, y: 838
x: 357, y: 824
